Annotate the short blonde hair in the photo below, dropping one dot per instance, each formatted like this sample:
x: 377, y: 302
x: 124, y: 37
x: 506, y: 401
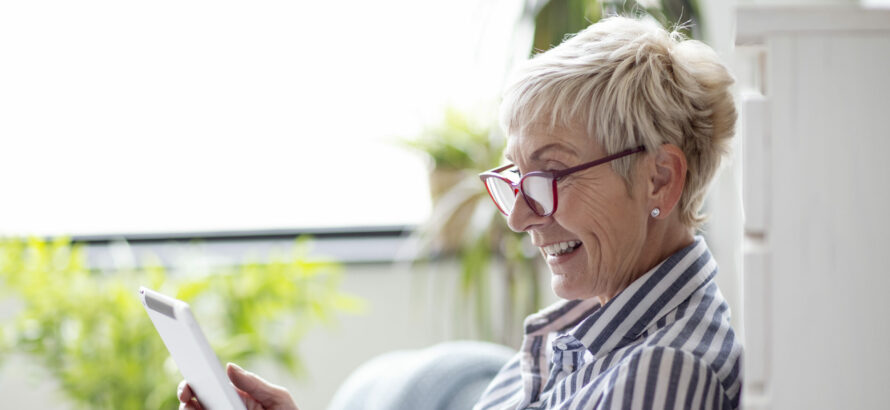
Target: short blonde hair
x: 631, y: 83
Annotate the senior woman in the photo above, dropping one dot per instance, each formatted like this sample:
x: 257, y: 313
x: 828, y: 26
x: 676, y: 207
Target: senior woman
x: 614, y: 137
x: 643, y: 324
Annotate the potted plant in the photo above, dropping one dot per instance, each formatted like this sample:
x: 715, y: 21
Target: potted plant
x: 466, y: 226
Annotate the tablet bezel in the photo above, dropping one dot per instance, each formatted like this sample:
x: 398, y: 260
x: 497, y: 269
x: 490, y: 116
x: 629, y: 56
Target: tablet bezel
x: 189, y: 348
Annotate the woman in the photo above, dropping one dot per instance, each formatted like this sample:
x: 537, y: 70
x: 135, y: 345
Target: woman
x: 614, y: 137
x: 644, y: 325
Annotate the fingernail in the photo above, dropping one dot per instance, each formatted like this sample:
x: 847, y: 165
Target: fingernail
x: 237, y: 368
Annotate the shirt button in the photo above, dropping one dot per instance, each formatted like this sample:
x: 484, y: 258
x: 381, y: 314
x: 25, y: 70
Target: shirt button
x: 567, y: 368
x: 562, y: 346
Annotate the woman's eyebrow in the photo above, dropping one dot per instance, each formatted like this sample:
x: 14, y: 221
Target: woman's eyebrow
x: 550, y: 147
x: 543, y: 150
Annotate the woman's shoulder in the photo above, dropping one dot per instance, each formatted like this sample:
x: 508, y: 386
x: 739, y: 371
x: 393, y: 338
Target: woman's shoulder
x: 700, y: 326
x: 671, y: 374
x: 647, y: 358
x: 693, y: 345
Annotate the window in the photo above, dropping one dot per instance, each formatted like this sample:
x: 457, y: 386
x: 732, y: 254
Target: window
x: 205, y: 116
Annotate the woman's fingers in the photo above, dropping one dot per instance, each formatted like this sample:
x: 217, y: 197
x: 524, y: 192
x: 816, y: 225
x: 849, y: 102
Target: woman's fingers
x: 255, y: 392
x: 186, y: 398
x: 265, y: 393
x: 183, y: 392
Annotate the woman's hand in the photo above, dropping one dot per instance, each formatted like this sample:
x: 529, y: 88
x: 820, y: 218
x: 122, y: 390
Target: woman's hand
x: 256, y: 393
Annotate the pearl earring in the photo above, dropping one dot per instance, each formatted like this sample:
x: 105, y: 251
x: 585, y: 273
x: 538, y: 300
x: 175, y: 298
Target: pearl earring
x: 655, y: 212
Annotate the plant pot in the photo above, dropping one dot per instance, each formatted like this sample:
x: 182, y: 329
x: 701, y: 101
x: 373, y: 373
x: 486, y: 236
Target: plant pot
x: 452, y: 224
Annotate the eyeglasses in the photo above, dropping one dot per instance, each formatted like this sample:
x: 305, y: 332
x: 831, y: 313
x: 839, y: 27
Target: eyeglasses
x: 538, y: 188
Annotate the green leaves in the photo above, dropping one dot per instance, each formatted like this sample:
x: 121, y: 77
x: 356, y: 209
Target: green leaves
x: 558, y: 19
x: 459, y: 142
x: 90, y: 331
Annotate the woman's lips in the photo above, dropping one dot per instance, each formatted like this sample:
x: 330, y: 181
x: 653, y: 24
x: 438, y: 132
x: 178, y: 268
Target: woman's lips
x: 564, y: 256
x: 559, y: 248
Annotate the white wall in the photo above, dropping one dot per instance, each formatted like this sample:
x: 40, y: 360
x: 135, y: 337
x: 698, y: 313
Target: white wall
x: 816, y: 192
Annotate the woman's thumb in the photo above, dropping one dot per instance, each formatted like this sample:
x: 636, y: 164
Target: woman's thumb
x: 261, y: 390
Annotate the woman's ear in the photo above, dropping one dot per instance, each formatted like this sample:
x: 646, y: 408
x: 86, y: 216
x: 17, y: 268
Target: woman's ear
x: 667, y: 178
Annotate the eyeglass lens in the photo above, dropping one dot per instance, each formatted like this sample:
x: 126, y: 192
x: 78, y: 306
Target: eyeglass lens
x: 502, y: 193
x: 537, y: 189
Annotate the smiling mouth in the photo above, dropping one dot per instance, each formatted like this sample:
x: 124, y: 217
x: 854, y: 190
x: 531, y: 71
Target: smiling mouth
x: 561, y: 248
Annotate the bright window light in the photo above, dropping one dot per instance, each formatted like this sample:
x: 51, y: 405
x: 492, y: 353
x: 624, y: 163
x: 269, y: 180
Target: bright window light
x: 172, y: 116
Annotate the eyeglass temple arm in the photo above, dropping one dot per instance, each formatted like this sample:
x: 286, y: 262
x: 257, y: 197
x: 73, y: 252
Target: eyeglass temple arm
x: 562, y: 173
x: 576, y: 168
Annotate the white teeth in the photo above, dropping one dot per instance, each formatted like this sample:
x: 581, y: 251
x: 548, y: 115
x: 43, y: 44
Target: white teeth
x: 561, y: 248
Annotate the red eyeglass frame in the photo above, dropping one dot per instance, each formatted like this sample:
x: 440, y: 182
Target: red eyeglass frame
x: 554, y: 175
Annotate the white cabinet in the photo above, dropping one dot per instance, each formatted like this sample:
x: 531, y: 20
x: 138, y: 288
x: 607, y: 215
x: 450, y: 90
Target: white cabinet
x: 815, y: 127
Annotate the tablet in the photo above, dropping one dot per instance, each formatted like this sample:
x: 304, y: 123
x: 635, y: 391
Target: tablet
x: 186, y: 342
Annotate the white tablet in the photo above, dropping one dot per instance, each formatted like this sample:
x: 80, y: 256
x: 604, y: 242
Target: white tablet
x: 186, y: 342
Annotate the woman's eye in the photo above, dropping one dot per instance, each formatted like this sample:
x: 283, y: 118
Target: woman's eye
x: 553, y: 166
x: 555, y: 170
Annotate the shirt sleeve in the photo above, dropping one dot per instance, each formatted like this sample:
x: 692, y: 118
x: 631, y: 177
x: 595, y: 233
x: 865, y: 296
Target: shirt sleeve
x: 663, y: 378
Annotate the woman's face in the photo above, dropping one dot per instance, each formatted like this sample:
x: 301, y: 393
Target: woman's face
x: 601, y: 225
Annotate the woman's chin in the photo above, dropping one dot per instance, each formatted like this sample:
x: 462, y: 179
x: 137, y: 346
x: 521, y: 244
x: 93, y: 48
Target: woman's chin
x: 564, y: 288
x: 565, y: 279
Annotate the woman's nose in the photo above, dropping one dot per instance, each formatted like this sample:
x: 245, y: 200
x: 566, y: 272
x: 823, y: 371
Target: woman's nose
x: 523, y: 217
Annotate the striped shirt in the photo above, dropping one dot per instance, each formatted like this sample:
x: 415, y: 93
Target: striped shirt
x: 664, y: 342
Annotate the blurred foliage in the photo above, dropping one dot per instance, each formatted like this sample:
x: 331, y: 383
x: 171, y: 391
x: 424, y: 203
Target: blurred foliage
x: 459, y: 142
x: 559, y: 18
x: 465, y: 224
x: 92, y: 334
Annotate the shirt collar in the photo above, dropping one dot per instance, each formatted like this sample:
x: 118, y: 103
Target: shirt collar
x: 603, y: 328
